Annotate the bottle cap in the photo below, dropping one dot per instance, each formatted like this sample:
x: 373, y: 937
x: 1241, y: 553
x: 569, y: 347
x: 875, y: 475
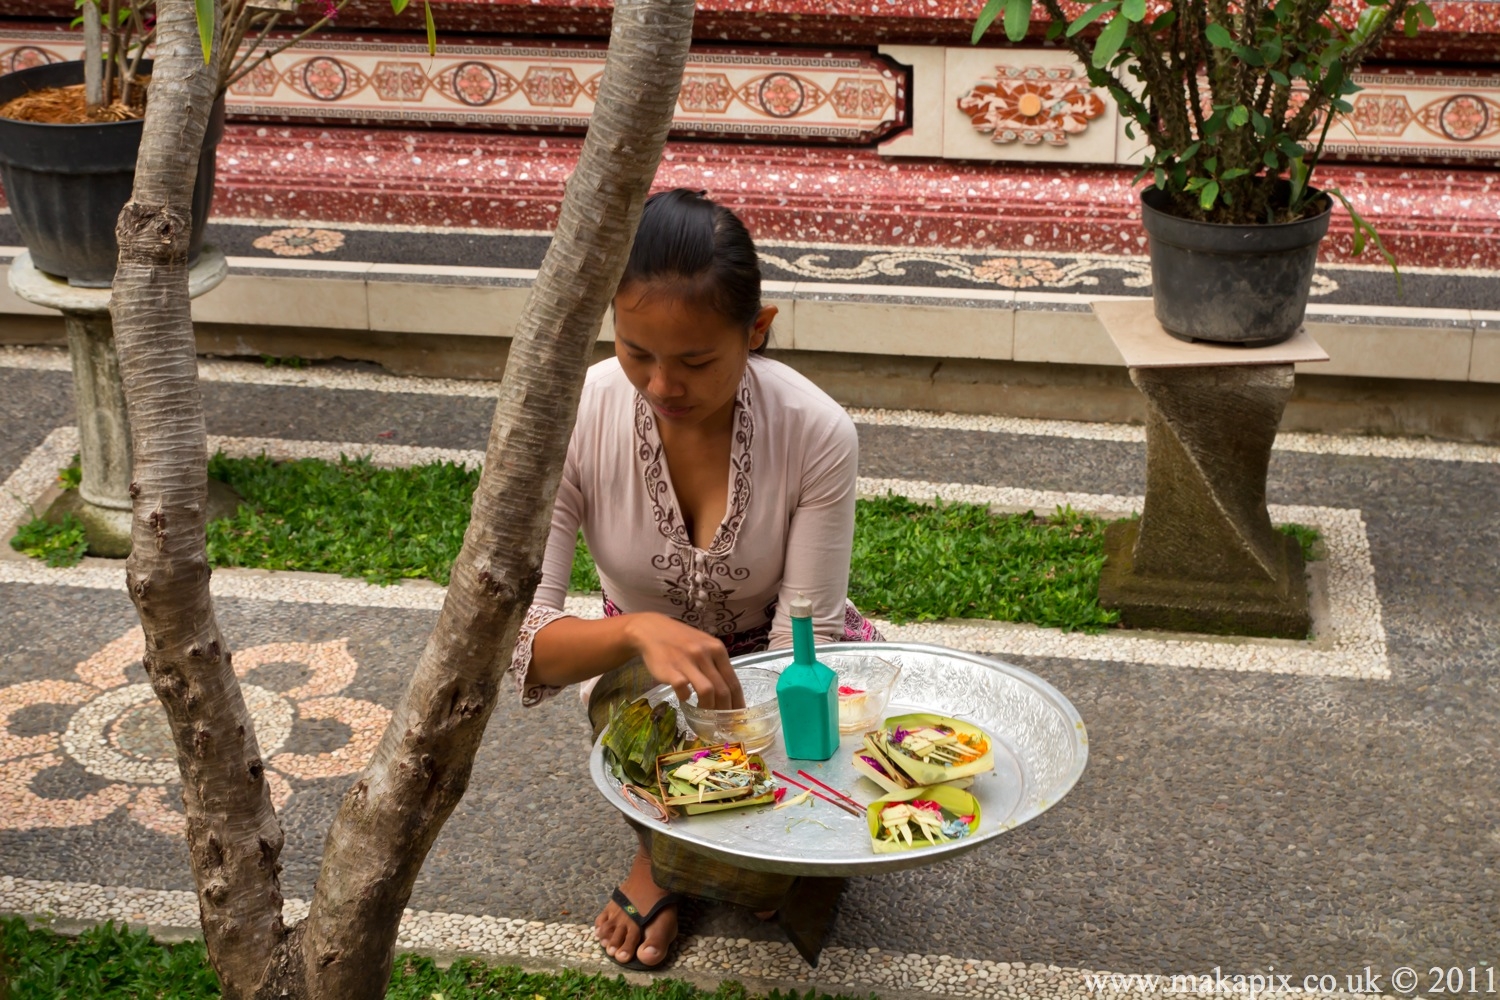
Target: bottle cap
x: 801, y: 607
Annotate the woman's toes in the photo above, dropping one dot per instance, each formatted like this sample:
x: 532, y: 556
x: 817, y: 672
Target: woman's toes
x: 658, y: 938
x: 629, y: 941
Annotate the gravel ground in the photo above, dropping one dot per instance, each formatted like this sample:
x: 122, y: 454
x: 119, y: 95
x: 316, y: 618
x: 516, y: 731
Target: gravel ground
x: 31, y: 404
x: 1240, y: 820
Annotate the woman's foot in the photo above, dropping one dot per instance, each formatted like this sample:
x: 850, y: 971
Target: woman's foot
x: 622, y: 939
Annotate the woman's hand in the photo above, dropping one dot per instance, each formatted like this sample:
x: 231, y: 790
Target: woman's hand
x: 687, y: 659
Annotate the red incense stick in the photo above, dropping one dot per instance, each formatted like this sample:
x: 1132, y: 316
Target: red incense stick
x: 814, y: 791
x: 829, y: 788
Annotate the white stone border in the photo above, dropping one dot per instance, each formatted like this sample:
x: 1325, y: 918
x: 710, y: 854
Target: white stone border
x: 509, y: 940
x: 1355, y: 645
x: 247, y: 373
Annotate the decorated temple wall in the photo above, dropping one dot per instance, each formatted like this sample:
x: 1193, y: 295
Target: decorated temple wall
x: 1466, y: 30
x: 962, y: 103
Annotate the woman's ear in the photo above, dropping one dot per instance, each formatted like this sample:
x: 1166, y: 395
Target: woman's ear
x: 762, y: 327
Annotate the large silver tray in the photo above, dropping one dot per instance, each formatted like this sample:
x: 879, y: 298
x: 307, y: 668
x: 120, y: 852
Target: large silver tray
x: 1041, y: 748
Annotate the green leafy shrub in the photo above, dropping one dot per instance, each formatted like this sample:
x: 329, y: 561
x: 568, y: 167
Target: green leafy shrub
x: 62, y: 544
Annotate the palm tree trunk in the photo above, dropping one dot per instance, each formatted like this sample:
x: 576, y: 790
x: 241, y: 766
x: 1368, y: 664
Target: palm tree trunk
x: 233, y: 836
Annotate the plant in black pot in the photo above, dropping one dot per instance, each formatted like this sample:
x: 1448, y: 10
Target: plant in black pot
x: 1235, y: 98
x: 70, y: 131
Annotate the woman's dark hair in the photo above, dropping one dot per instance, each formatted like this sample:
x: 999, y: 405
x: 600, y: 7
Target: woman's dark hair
x: 700, y: 250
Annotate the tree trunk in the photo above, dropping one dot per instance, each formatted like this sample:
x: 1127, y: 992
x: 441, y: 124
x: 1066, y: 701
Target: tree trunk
x: 390, y: 818
x: 233, y: 836
x: 417, y: 774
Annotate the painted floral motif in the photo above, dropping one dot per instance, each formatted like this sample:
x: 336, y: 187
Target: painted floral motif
x: 1031, y: 105
x: 325, y: 78
x: 1462, y: 118
x: 118, y: 732
x: 705, y: 93
x: 300, y: 241
x: 1011, y: 272
x: 781, y: 95
x: 26, y: 57
x: 475, y: 84
x: 1380, y: 114
x: 552, y: 88
x: 851, y: 98
x: 1008, y: 272
x: 261, y: 81
x: 399, y: 81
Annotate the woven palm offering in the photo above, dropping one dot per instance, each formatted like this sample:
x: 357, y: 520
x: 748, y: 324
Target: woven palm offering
x: 918, y: 750
x: 921, y: 817
x: 711, y: 779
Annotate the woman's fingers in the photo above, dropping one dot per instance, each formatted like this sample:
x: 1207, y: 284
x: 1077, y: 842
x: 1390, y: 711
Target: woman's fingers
x: 713, y: 692
x: 682, y: 688
x: 734, y: 695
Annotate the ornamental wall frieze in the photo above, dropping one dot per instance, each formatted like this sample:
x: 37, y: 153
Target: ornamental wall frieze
x: 1012, y: 104
x: 1035, y: 105
x: 842, y: 96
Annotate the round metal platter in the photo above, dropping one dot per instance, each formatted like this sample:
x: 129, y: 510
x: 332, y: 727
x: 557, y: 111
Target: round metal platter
x: 1040, y: 748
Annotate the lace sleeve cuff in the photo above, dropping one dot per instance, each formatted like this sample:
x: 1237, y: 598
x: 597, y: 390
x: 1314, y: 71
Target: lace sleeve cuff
x: 520, y: 664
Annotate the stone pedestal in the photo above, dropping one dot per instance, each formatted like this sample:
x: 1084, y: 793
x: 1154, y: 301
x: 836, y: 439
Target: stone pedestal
x: 1204, y: 557
x: 102, y: 500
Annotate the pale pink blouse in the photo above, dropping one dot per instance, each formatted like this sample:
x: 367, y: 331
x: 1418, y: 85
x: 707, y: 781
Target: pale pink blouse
x: 788, y: 525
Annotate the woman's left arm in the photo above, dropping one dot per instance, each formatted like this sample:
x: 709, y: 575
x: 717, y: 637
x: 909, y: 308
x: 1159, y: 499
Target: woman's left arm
x: 820, y: 537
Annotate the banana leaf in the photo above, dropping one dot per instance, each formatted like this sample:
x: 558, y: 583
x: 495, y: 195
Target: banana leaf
x: 636, y: 736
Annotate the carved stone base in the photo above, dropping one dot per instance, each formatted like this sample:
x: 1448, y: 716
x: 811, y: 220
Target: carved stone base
x: 108, y: 529
x: 1247, y: 607
x: 1204, y: 557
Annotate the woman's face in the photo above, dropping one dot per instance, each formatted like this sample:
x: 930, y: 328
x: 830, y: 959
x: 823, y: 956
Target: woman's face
x: 683, y: 357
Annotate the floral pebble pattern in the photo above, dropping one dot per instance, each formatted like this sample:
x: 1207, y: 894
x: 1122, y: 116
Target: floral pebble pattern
x: 300, y: 241
x: 117, y: 731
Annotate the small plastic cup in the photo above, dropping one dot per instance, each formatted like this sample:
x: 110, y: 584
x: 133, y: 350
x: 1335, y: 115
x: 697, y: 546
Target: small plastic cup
x: 865, y: 686
x: 755, y: 725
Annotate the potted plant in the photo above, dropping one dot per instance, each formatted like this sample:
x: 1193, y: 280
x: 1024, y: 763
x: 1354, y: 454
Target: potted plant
x: 1235, y: 98
x: 70, y: 132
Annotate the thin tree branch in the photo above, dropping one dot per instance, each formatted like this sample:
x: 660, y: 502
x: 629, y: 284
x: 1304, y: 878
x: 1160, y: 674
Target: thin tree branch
x: 233, y: 76
x: 316, y: 25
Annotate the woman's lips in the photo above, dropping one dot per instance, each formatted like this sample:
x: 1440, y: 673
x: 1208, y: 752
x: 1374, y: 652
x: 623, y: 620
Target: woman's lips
x: 670, y: 411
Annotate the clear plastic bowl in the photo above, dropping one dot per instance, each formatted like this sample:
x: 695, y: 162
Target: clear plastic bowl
x: 865, y: 686
x: 755, y: 725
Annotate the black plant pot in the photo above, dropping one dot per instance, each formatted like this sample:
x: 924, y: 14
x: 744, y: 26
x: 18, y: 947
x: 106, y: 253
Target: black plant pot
x: 1230, y: 284
x: 66, y: 184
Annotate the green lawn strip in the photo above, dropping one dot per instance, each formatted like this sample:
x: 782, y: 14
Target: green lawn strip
x: 111, y: 962
x: 912, y: 560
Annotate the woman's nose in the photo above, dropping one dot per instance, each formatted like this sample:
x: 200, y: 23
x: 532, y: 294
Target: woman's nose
x: 662, y: 385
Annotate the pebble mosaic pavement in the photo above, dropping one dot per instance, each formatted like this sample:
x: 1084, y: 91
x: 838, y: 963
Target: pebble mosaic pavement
x: 1311, y: 818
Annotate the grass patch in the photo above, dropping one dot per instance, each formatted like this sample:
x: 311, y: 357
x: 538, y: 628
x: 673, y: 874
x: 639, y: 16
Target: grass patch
x: 347, y: 517
x: 911, y: 561
x: 1308, y: 538
x: 922, y: 562
x: 110, y: 962
x: 55, y: 544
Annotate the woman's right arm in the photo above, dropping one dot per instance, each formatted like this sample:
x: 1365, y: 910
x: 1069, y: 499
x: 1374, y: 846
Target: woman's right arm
x: 569, y: 650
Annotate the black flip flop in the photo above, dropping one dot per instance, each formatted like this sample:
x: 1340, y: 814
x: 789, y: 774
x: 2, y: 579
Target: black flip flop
x: 628, y: 908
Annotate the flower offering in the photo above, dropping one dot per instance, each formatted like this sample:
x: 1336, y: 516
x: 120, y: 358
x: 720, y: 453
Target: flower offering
x: 921, y: 817
x: 917, y: 750
x: 714, y: 778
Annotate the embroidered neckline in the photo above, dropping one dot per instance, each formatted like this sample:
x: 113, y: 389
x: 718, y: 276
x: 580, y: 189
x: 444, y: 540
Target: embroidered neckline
x: 659, y: 488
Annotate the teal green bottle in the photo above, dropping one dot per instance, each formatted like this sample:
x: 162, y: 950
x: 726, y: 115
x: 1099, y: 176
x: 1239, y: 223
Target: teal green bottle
x: 807, y: 694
